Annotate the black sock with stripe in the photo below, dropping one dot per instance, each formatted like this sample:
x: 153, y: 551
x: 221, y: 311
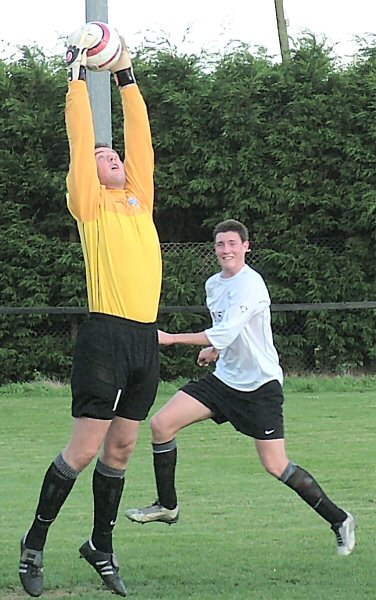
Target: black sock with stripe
x: 108, y: 485
x: 307, y: 487
x: 164, y: 458
x: 57, y: 484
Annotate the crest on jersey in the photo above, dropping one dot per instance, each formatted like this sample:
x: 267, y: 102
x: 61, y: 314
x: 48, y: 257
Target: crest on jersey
x: 217, y: 315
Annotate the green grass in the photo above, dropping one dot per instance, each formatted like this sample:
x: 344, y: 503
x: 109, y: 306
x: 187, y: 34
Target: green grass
x: 242, y: 535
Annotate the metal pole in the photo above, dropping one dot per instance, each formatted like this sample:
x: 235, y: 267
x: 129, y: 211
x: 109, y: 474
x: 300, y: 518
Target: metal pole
x: 282, y: 30
x: 99, y: 83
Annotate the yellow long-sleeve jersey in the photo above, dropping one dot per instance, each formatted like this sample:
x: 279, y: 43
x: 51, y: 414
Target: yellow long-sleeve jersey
x: 118, y: 236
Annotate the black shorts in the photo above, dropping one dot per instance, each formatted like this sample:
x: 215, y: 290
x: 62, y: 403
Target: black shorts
x: 258, y: 414
x: 115, y: 368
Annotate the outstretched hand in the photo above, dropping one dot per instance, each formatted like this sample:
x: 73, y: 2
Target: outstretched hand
x: 124, y: 61
x: 78, y: 44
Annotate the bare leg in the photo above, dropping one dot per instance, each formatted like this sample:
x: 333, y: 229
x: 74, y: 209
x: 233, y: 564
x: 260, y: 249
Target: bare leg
x: 272, y: 455
x: 120, y: 442
x: 179, y: 412
x: 87, y: 438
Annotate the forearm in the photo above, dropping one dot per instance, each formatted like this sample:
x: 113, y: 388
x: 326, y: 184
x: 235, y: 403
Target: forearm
x: 189, y: 339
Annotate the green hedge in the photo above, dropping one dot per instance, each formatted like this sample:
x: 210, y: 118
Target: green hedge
x: 287, y: 148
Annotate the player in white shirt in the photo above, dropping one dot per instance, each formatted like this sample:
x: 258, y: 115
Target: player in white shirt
x: 245, y: 388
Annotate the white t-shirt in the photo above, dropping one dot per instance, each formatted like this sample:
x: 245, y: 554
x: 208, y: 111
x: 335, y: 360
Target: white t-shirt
x: 241, y: 330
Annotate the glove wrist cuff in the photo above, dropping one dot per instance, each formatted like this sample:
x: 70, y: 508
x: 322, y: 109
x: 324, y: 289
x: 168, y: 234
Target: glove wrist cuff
x: 77, y: 74
x: 125, y: 77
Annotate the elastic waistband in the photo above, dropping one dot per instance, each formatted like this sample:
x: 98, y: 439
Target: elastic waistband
x: 122, y: 320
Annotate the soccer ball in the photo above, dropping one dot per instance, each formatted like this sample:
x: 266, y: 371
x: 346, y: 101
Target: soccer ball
x: 105, y: 50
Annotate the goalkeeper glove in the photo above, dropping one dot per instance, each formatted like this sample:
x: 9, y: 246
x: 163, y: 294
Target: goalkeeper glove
x: 78, y: 43
x: 122, y: 69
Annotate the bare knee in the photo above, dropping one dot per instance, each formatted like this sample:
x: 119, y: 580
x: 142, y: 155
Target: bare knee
x: 273, y: 457
x: 118, y: 451
x: 79, y: 458
x: 273, y: 469
x: 87, y: 438
x: 161, y: 432
x: 275, y: 466
x: 125, y: 447
x: 120, y: 441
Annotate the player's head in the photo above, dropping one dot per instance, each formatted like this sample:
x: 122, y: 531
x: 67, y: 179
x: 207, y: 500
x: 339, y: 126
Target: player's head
x: 110, y: 168
x: 231, y: 242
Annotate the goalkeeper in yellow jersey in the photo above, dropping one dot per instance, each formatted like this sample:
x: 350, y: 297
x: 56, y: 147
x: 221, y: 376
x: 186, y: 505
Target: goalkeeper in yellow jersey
x: 116, y: 363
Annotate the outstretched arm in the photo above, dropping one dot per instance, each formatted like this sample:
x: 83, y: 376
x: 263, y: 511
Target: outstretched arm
x: 82, y: 180
x: 206, y: 355
x: 139, y: 155
x: 191, y: 339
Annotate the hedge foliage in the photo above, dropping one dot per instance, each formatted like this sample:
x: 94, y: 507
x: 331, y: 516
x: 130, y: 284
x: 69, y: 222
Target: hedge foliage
x: 287, y: 148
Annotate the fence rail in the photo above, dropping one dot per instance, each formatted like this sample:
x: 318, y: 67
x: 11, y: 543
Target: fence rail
x: 326, y: 337
x: 199, y: 309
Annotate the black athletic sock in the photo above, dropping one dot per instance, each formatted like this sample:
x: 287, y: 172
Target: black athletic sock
x: 307, y: 487
x: 164, y: 457
x: 57, y: 484
x: 108, y: 485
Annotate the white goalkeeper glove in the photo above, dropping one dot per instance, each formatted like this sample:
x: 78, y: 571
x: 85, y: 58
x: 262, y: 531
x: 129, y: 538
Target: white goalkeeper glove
x: 77, y: 45
x: 122, y: 69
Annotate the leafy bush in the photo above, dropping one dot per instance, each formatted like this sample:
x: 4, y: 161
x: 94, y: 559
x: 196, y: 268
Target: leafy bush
x: 287, y: 148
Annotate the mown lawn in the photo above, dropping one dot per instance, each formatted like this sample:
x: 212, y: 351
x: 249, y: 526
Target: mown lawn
x: 241, y: 536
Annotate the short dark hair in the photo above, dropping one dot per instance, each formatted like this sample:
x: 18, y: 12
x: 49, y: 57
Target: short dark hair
x: 105, y: 145
x: 232, y: 225
x: 100, y: 145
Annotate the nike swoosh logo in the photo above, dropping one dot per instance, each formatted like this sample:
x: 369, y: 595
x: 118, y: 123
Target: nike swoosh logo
x: 112, y: 523
x: 269, y: 431
x: 44, y: 520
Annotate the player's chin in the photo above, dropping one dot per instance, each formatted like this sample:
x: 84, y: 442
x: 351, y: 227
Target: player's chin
x: 226, y: 263
x: 117, y: 180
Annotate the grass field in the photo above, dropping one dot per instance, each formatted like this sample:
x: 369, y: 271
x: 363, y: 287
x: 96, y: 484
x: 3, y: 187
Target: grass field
x: 242, y: 535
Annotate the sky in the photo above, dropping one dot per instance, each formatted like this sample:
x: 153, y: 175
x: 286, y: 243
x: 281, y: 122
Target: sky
x: 196, y: 25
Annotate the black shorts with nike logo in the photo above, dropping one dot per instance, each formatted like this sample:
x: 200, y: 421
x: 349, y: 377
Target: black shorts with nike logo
x: 258, y: 414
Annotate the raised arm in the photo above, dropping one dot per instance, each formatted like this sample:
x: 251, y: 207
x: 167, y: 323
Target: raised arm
x: 139, y: 155
x: 82, y: 179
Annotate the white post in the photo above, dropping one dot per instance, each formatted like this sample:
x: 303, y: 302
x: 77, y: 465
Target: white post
x: 99, y: 83
x: 282, y: 30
